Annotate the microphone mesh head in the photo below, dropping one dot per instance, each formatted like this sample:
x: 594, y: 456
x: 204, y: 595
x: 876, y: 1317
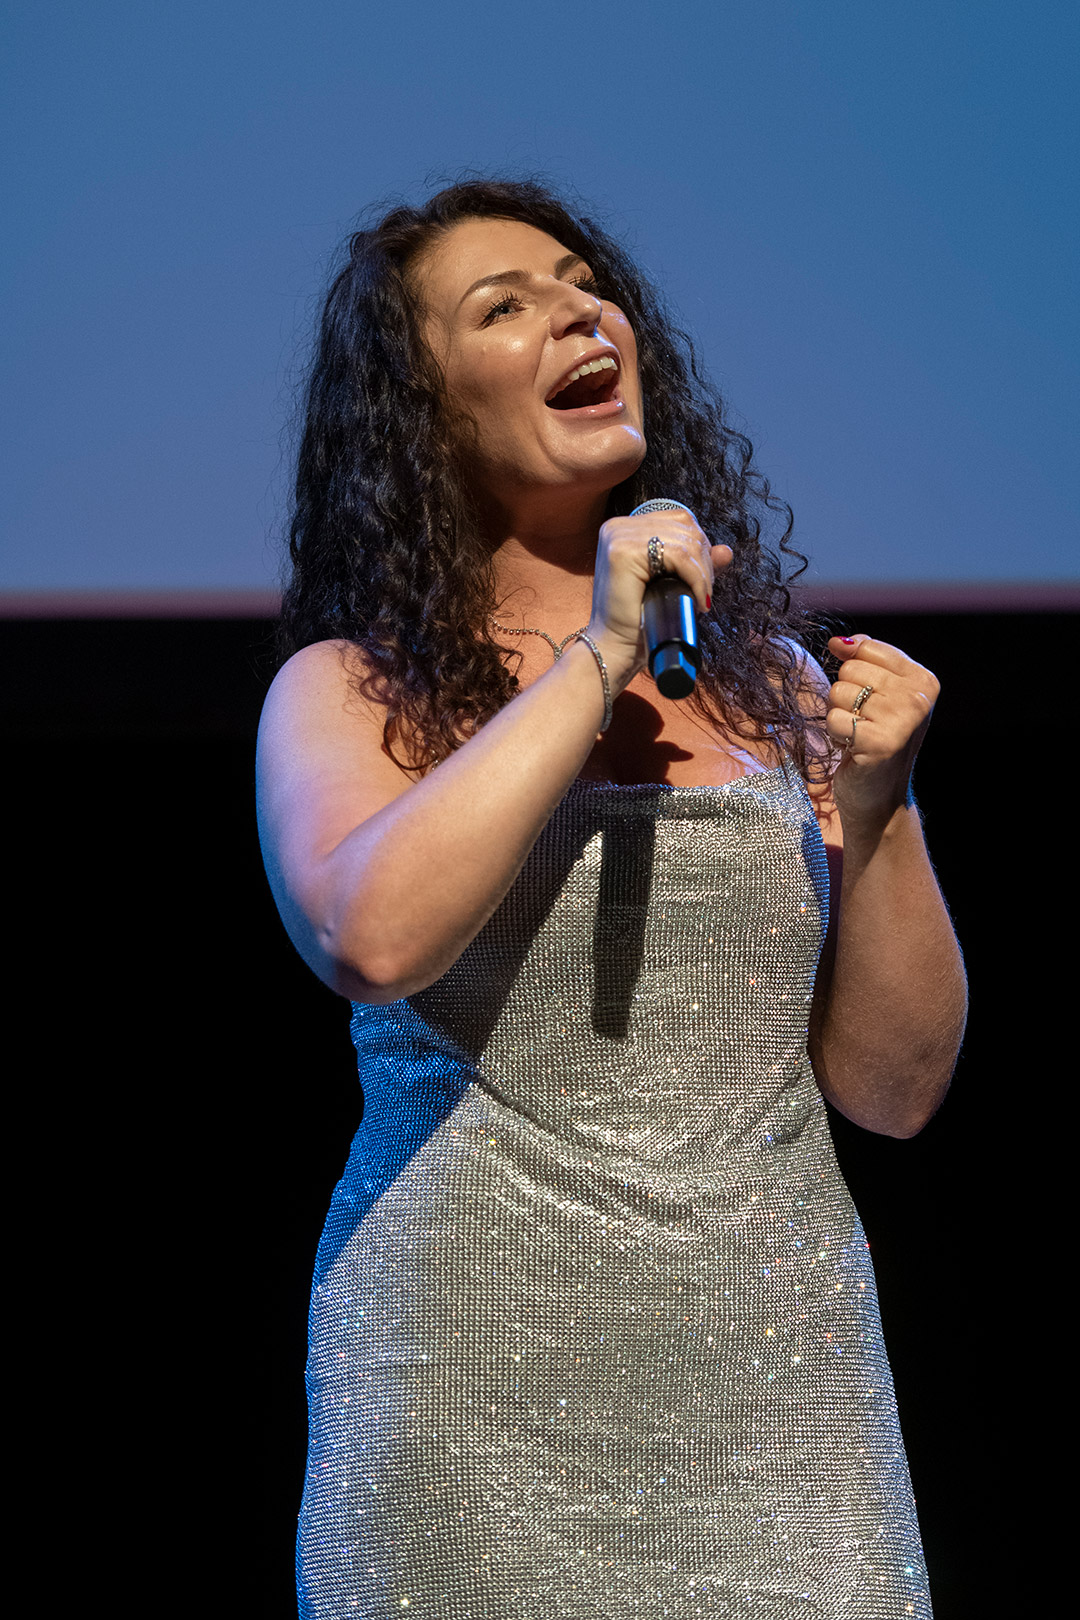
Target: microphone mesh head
x: 661, y: 505
x: 664, y: 505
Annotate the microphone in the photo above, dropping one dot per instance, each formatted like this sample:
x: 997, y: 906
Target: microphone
x: 670, y: 625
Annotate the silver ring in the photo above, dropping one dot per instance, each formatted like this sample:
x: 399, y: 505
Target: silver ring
x: 850, y: 742
x: 861, y: 699
x: 656, y: 557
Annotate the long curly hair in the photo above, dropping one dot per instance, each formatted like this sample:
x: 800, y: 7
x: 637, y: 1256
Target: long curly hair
x: 386, y: 547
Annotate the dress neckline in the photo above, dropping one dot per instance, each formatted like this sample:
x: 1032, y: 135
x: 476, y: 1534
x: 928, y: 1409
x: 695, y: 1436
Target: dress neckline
x: 593, y: 784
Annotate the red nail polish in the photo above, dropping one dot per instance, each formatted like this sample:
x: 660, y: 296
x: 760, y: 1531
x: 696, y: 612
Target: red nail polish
x: 849, y: 641
x: 708, y: 604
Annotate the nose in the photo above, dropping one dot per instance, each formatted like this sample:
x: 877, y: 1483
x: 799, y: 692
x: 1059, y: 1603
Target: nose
x: 575, y: 310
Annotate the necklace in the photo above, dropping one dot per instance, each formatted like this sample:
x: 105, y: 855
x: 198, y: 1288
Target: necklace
x: 557, y: 647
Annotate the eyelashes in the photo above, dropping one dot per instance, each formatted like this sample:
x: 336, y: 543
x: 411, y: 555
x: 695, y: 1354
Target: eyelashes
x: 509, y: 303
x: 505, y: 306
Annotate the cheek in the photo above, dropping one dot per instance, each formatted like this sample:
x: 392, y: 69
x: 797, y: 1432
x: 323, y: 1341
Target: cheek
x: 503, y: 369
x: 616, y: 327
x: 473, y: 396
x: 494, y: 394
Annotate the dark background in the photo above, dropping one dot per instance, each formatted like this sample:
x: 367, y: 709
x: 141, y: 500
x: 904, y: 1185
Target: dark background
x: 196, y: 1093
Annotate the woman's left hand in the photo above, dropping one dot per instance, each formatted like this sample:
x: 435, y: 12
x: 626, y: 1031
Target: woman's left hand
x: 890, y: 999
x: 878, y: 711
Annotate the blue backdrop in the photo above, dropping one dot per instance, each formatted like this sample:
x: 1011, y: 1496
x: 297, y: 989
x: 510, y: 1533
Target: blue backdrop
x: 861, y: 212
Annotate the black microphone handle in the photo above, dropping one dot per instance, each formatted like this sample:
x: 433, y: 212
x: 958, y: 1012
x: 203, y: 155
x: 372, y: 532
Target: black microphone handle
x: 671, y: 636
x: 670, y: 624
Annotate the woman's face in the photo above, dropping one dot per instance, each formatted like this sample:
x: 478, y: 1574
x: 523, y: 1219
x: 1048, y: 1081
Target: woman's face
x: 512, y: 318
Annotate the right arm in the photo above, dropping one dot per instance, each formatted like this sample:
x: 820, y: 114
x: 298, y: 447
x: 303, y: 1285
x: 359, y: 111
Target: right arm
x: 383, y: 881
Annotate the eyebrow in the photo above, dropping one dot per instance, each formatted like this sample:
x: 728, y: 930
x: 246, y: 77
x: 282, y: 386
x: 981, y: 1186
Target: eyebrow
x: 506, y: 278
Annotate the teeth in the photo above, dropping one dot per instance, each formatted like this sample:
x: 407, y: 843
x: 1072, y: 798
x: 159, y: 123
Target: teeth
x: 605, y: 363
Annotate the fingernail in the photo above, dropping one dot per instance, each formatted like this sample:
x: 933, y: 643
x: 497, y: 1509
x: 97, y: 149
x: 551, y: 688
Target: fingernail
x: 849, y: 641
x: 708, y: 604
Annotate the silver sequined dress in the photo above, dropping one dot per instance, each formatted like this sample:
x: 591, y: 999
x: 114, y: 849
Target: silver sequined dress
x: 594, y: 1333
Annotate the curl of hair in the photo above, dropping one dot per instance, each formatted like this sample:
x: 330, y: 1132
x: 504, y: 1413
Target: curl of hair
x: 386, y: 549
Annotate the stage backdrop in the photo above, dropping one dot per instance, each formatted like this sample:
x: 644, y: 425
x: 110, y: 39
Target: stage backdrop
x: 858, y: 211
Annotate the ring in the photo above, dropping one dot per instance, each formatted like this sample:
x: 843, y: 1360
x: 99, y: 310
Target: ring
x: 850, y: 741
x: 656, y: 556
x: 861, y: 699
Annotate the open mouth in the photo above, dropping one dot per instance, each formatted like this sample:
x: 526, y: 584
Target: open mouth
x: 594, y: 383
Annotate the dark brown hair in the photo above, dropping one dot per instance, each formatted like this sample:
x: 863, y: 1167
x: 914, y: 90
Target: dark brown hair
x: 386, y: 550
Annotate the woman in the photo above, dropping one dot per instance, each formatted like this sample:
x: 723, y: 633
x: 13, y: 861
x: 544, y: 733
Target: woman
x: 593, y: 1329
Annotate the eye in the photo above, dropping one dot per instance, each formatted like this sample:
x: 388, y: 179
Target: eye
x: 505, y: 306
x: 587, y: 284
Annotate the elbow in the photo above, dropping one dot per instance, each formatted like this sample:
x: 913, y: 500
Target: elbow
x: 905, y: 1104
x: 891, y: 1079
x: 884, y: 1101
x: 922, y: 1101
x: 372, y: 984
x: 355, y: 949
x: 372, y: 971
x: 906, y: 1126
x: 362, y: 981
x: 921, y: 1089
x: 884, y: 1118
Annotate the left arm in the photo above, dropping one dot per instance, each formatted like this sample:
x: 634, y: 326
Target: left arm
x: 890, y: 1000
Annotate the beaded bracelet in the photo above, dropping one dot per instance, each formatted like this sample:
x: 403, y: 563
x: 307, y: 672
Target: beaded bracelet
x: 584, y: 636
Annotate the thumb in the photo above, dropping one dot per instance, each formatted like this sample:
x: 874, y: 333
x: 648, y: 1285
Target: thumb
x: 844, y: 647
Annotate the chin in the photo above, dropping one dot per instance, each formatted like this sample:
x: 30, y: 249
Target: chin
x: 614, y: 470
x: 616, y: 454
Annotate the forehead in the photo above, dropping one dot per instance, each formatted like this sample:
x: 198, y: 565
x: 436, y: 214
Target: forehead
x: 484, y: 247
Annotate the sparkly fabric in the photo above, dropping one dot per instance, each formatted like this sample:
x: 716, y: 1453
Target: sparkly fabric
x: 594, y: 1332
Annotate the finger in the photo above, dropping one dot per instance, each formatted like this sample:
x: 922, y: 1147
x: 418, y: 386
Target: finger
x: 886, y: 723
x: 858, y: 673
x: 845, y: 647
x: 912, y: 687
x: 692, y: 562
x: 868, y: 651
x: 685, y: 552
x: 878, y: 653
x: 675, y: 525
x: 843, y: 728
x: 851, y: 697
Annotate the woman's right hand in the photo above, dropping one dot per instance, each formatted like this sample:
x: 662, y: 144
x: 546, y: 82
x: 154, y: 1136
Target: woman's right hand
x: 623, y: 573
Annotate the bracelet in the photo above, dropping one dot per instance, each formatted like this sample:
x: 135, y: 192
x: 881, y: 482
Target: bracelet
x: 584, y: 636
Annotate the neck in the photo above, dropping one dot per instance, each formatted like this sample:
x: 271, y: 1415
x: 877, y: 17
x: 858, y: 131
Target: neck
x: 544, y: 558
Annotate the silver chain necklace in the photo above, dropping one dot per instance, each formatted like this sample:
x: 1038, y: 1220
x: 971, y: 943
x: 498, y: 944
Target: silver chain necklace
x: 557, y: 647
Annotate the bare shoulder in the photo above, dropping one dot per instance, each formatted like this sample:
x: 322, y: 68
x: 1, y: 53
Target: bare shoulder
x: 317, y: 705
x: 320, y: 682
x: 321, y: 764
